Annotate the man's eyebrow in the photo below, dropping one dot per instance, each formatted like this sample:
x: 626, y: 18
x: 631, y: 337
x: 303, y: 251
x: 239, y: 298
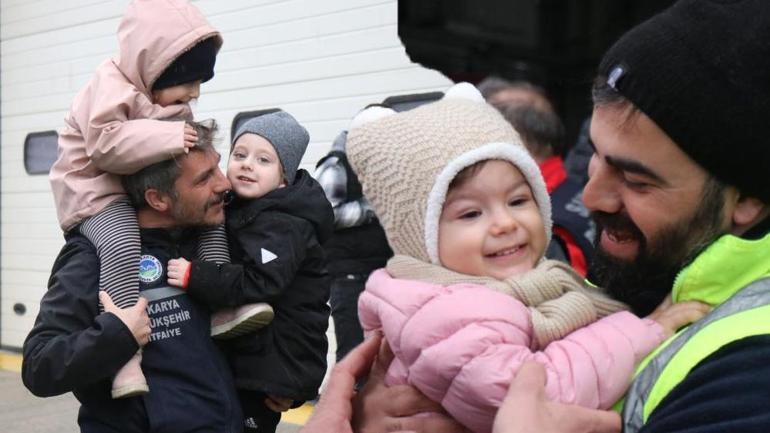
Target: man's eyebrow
x: 208, y: 172
x: 634, y: 167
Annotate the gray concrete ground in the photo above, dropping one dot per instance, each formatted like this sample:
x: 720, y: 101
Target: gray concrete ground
x: 22, y: 412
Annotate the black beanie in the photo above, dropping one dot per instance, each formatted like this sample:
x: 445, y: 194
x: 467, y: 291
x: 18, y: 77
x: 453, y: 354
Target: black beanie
x: 701, y: 71
x: 197, y: 63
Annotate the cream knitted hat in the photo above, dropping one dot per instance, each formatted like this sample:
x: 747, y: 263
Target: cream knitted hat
x: 406, y: 161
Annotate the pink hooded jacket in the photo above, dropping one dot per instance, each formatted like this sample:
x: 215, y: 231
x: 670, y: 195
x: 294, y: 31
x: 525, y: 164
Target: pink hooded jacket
x: 461, y: 345
x: 112, y: 127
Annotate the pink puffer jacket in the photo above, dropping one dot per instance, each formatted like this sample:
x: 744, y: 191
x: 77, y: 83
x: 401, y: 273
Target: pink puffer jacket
x: 461, y: 345
x: 111, y: 128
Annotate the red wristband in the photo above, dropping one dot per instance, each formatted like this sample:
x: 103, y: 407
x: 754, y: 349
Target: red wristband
x: 186, y: 278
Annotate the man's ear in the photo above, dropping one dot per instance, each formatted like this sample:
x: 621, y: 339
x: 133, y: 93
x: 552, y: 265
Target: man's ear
x: 748, y: 211
x: 160, y: 201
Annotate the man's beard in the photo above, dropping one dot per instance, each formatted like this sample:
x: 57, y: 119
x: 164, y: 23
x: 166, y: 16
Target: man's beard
x: 643, y: 282
x: 187, y: 216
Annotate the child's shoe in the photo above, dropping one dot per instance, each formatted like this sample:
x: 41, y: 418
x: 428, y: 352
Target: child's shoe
x: 130, y: 380
x: 234, y: 322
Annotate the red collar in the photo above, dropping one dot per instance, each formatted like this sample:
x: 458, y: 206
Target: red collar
x: 553, y: 172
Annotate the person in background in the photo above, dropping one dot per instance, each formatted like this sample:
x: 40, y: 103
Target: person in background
x: 357, y: 247
x: 579, y: 156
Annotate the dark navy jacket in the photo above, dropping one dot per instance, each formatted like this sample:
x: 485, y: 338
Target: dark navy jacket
x: 74, y: 348
x: 569, y: 212
x: 727, y: 392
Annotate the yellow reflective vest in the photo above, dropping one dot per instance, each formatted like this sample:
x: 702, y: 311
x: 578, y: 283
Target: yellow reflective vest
x: 733, y: 276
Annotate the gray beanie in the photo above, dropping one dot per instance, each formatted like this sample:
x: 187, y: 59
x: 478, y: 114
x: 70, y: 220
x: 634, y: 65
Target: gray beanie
x: 288, y: 137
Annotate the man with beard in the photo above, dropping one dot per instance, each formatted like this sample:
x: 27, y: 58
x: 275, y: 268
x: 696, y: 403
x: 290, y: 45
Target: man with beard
x: 76, y: 346
x: 679, y: 191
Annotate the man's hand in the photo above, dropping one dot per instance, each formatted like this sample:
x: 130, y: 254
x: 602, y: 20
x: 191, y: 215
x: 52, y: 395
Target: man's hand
x: 278, y: 404
x: 527, y: 410
x: 135, y: 318
x: 178, y: 272
x: 334, y: 411
x: 400, y: 408
x: 190, y: 137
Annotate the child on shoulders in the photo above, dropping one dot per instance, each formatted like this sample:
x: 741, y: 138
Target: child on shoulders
x: 116, y: 127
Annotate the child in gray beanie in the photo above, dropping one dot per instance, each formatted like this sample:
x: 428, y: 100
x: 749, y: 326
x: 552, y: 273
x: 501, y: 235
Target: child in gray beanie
x: 276, y: 222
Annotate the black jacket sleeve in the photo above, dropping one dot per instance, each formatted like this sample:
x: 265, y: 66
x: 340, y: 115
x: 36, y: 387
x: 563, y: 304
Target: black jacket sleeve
x: 727, y: 392
x: 71, y: 345
x: 273, y: 248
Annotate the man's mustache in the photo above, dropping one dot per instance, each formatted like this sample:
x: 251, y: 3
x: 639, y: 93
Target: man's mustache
x: 616, y: 222
x: 215, y: 201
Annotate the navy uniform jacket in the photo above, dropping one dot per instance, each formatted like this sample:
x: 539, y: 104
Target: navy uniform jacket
x: 727, y: 392
x: 74, y: 348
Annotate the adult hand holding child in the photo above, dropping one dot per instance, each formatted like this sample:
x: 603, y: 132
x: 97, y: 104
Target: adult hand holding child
x: 135, y: 318
x: 526, y: 409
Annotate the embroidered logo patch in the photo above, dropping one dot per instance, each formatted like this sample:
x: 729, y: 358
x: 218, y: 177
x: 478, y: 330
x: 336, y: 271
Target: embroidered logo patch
x: 150, y: 269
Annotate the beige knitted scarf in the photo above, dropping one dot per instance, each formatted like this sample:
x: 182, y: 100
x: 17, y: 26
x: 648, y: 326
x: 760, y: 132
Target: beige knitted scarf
x: 559, y: 299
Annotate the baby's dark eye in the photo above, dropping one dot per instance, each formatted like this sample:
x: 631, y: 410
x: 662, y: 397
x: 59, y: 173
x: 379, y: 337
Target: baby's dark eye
x: 470, y: 215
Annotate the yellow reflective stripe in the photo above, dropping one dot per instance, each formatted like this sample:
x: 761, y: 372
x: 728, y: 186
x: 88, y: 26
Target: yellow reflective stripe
x: 618, y: 406
x: 707, y: 341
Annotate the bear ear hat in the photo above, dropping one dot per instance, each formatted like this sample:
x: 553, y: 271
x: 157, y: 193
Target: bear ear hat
x: 376, y: 112
x: 370, y: 114
x: 464, y: 91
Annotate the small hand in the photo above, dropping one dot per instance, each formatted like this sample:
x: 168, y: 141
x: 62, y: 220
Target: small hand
x: 527, y: 410
x: 178, y: 272
x: 278, y: 404
x: 672, y: 316
x: 190, y: 137
x: 135, y: 318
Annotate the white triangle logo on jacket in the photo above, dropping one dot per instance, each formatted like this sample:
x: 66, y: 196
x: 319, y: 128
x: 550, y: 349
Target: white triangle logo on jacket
x: 267, y: 256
